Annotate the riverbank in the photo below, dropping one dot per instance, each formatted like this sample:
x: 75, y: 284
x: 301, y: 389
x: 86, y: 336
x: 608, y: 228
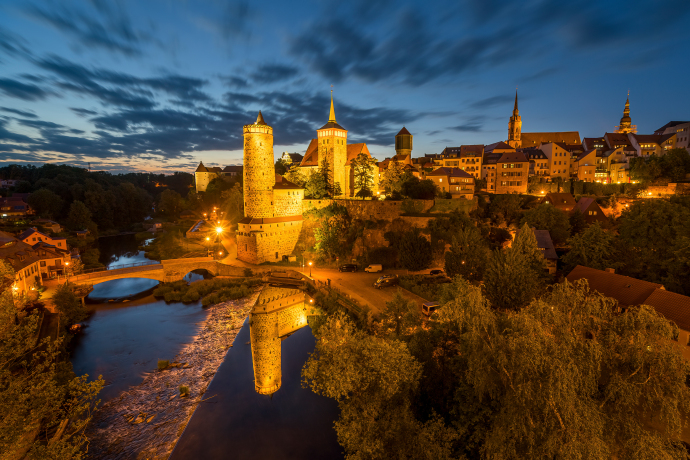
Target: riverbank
x: 147, y: 420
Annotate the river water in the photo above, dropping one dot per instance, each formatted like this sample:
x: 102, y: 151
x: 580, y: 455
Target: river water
x: 122, y: 342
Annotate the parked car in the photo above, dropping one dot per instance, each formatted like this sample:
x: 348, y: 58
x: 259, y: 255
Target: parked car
x: 436, y: 272
x: 386, y: 280
x: 374, y: 268
x: 348, y: 268
x: 428, y: 308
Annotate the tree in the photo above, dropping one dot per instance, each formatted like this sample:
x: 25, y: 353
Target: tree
x: 233, y: 202
x: 567, y: 377
x: 413, y: 187
x: 373, y: 380
x: 399, y: 317
x: 68, y: 305
x: 577, y: 221
x: 525, y: 243
x: 79, y: 216
x: 295, y: 176
x: 468, y: 255
x: 45, y: 407
x: 547, y: 217
x: 592, y: 248
x: 326, y: 172
x: 282, y: 167
x: 46, y: 203
x: 170, y: 203
x: 392, y: 177
x: 414, y: 251
x: 316, y: 186
x: 363, y: 171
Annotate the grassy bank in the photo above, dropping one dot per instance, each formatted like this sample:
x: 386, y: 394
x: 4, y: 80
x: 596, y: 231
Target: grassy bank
x: 209, y: 291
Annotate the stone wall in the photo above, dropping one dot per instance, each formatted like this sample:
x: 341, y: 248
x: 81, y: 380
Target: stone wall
x: 270, y: 244
x: 287, y: 202
x: 672, y: 188
x: 369, y: 209
x: 266, y: 353
x: 259, y: 171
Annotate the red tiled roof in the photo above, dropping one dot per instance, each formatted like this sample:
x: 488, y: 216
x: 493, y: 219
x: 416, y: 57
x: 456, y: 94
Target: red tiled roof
x: 311, y: 157
x: 561, y: 200
x: 497, y: 145
x: 355, y: 149
x: 404, y: 131
x: 283, y: 183
x: 450, y: 172
x: 674, y: 307
x: 627, y: 291
x: 534, y: 139
x: 513, y: 157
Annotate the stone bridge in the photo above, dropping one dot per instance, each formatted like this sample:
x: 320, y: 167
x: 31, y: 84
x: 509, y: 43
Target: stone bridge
x: 166, y: 271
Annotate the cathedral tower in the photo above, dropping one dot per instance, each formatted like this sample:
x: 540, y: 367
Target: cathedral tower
x: 259, y: 175
x: 403, y: 142
x: 332, y: 139
x: 515, y: 126
x: 626, y: 125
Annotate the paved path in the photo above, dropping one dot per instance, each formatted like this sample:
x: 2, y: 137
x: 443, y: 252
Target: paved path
x: 360, y: 285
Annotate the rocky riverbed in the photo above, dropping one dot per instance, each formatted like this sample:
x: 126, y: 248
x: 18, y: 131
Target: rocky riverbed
x: 146, y: 421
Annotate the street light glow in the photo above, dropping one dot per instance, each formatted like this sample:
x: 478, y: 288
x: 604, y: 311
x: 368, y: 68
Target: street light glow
x: 219, y: 230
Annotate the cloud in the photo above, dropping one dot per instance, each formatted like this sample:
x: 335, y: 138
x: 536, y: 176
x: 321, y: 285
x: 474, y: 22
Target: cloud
x: 272, y: 73
x: 468, y: 128
x: 12, y: 45
x: 103, y: 27
x: 493, y: 101
x: 83, y: 112
x: 21, y: 113
x: 25, y: 91
x: 234, y: 82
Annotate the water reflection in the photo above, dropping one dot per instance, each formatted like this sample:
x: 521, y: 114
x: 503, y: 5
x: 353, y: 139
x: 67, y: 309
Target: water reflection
x: 121, y: 250
x: 121, y: 289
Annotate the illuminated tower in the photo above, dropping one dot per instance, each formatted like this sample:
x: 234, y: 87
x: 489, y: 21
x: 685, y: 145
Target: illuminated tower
x: 259, y: 175
x: 626, y: 125
x: 332, y: 139
x: 515, y: 126
x: 403, y: 142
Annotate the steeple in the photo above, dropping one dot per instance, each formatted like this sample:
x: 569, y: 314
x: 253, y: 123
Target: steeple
x: 626, y: 125
x: 331, y: 116
x: 515, y: 108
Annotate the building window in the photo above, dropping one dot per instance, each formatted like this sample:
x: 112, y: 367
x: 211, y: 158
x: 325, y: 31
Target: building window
x: 43, y: 263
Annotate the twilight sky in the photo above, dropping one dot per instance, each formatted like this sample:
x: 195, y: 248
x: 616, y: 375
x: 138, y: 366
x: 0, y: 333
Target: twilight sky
x: 157, y: 85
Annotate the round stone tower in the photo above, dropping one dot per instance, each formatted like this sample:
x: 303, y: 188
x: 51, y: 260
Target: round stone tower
x: 403, y: 142
x: 259, y: 171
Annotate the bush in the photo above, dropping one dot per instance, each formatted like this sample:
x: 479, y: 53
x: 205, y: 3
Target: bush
x: 423, y: 285
x: 184, y: 391
x: 385, y: 256
x: 163, y: 364
x: 248, y: 272
x: 180, y: 291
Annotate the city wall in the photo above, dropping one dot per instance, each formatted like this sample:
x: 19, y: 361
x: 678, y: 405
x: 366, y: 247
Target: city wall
x: 370, y: 209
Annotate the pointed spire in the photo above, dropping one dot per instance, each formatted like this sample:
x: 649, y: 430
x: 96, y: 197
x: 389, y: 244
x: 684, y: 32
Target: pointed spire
x: 515, y: 109
x: 260, y: 119
x: 331, y: 116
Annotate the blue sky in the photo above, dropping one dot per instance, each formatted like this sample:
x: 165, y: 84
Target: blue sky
x: 158, y: 85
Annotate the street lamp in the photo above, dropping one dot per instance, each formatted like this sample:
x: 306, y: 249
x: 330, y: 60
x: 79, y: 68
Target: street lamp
x: 310, y: 262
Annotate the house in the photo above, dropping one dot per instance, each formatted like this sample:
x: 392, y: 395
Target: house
x: 590, y: 210
x: 538, y: 163
x: 455, y: 181
x: 627, y: 291
x: 512, y: 170
x: 559, y: 160
x: 53, y: 261
x: 563, y: 201
x: 652, y: 144
x: 48, y: 224
x: 291, y: 158
x: 584, y: 166
x: 14, y: 207
x: 82, y: 233
x: 8, y: 183
x: 466, y: 157
x: 630, y: 291
x: 32, y: 236
x: 682, y: 131
x: 545, y: 244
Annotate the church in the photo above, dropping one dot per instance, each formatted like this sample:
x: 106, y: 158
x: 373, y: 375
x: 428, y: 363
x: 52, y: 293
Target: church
x: 517, y: 139
x: 331, y: 146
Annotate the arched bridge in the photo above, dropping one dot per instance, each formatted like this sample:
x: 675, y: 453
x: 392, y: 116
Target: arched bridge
x: 166, y: 271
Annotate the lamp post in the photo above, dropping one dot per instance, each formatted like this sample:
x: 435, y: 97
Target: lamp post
x: 67, y: 271
x: 310, y: 262
x: 219, y: 231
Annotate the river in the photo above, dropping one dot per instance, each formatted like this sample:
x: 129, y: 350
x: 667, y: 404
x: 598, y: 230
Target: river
x: 123, y: 340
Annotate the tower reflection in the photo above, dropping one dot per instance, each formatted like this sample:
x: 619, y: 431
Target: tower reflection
x: 277, y: 313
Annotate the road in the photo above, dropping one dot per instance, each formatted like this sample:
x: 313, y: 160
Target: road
x: 360, y: 285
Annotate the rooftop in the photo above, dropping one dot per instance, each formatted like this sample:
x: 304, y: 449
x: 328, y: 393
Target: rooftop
x: 627, y: 291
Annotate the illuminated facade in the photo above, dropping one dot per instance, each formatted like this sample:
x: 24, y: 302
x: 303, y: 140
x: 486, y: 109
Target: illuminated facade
x: 272, y: 205
x: 278, y: 312
x: 626, y: 125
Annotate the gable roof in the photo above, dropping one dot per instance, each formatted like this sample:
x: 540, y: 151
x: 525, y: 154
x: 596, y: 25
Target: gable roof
x: 560, y: 200
x: 283, y: 183
x: 674, y: 307
x: 589, y: 142
x: 533, y: 153
x: 584, y: 204
x: 545, y: 243
x: 617, y: 139
x: 450, y: 172
x: 670, y: 124
x: 513, y: 157
x: 534, y: 139
x: 627, y: 291
x: 584, y: 154
x: 201, y: 167
x: 497, y: 145
x: 232, y: 168
x: 355, y: 149
x: 332, y: 125
x: 311, y: 157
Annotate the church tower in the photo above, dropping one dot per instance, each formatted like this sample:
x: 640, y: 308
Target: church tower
x: 332, y: 139
x: 626, y: 125
x: 515, y: 126
x: 259, y: 175
x: 403, y: 142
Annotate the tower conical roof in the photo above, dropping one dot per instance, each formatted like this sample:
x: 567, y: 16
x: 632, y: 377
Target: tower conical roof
x: 515, y: 108
x: 260, y: 120
x: 403, y: 131
x: 331, y: 118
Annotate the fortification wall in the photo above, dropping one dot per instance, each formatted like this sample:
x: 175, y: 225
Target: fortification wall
x: 370, y: 209
x: 259, y: 175
x: 270, y: 244
x: 287, y: 202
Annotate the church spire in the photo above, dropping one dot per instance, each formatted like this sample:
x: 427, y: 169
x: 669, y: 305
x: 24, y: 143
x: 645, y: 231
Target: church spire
x: 331, y: 116
x: 260, y: 119
x: 515, y: 109
x: 626, y: 125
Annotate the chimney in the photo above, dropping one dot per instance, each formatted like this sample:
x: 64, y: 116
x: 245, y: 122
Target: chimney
x: 611, y: 270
